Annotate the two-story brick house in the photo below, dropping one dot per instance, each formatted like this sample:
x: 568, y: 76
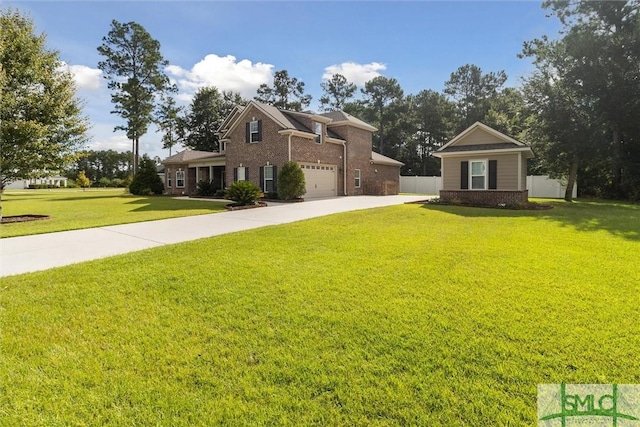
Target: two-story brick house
x: 333, y: 149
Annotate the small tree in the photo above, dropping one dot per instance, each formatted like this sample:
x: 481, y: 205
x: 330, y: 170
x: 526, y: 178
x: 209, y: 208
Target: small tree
x: 83, y: 181
x: 291, y: 183
x: 42, y: 127
x: 243, y: 193
x: 146, y: 181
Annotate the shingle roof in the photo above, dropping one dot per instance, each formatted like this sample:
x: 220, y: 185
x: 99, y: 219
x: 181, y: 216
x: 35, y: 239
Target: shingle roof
x: 190, y: 155
x: 479, y: 147
x: 341, y: 116
x: 380, y: 159
x: 277, y: 114
x: 294, y: 123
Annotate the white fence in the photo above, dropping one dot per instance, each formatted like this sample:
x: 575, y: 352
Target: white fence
x: 538, y: 186
x: 420, y: 184
x: 543, y: 186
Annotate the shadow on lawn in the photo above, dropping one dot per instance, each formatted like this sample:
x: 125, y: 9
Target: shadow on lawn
x: 82, y: 198
x: 618, y: 218
x: 160, y: 203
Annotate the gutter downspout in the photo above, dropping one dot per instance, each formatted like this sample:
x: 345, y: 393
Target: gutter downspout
x: 344, y: 168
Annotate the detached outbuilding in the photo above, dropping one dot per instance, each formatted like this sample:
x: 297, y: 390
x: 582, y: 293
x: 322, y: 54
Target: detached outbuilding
x: 482, y: 166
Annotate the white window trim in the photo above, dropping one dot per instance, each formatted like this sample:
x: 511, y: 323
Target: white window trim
x: 169, y: 180
x: 264, y: 171
x: 180, y: 172
x: 244, y: 173
x: 317, y: 129
x: 485, y: 175
x: 358, y: 178
x: 252, y: 132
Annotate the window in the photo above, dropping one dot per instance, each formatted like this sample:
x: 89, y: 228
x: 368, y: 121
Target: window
x: 241, y: 174
x: 478, y: 174
x: 180, y: 179
x: 357, y: 171
x: 169, y: 182
x: 254, y: 131
x: 268, y: 179
x: 317, y: 129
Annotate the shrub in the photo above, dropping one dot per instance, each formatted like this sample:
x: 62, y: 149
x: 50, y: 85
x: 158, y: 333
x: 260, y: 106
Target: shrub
x: 271, y: 195
x: 205, y: 188
x: 104, y: 182
x: 243, y: 193
x: 146, y: 181
x: 42, y: 186
x: 117, y: 183
x: 219, y: 194
x: 82, y: 180
x: 291, y: 184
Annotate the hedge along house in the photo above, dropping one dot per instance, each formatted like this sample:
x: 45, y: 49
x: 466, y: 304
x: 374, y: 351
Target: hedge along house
x: 184, y: 170
x: 333, y: 149
x: 482, y: 166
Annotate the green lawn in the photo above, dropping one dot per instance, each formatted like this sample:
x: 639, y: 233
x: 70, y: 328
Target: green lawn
x: 73, y: 209
x: 408, y: 315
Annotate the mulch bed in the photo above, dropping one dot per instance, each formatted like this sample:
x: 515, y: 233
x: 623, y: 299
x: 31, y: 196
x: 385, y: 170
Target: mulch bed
x: 23, y: 218
x: 283, y: 200
x: 238, y: 207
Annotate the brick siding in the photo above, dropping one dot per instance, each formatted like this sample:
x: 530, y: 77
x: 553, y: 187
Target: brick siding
x: 485, y: 197
x: 274, y: 148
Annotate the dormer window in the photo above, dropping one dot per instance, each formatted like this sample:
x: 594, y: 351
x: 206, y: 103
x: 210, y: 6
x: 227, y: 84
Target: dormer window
x: 317, y: 129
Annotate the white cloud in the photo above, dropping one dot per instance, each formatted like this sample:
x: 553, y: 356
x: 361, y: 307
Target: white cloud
x: 112, y: 142
x: 84, y: 77
x: 354, y: 72
x: 225, y: 73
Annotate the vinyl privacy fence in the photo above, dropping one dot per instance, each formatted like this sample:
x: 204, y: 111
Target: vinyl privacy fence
x: 538, y: 186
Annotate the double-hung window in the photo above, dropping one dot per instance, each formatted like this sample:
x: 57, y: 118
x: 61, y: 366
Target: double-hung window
x: 268, y: 179
x: 242, y: 174
x: 478, y: 174
x: 254, y: 134
x: 357, y: 174
x: 169, y: 181
x: 317, y: 129
x: 180, y: 179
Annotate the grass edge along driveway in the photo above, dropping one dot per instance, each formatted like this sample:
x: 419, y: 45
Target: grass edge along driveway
x: 74, y: 209
x: 408, y: 315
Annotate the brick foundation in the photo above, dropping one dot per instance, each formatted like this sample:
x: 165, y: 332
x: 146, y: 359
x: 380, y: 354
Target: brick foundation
x: 486, y: 197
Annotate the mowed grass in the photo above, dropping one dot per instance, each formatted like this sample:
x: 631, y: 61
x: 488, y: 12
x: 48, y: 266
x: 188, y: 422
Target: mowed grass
x: 408, y: 315
x: 74, y: 209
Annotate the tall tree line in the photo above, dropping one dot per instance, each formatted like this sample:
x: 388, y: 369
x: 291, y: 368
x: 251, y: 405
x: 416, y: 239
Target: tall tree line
x: 579, y: 109
x: 98, y: 164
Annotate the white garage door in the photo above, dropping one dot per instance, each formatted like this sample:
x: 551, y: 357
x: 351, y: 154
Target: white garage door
x: 320, y: 179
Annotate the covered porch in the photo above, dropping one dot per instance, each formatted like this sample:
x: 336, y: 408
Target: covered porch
x: 207, y: 173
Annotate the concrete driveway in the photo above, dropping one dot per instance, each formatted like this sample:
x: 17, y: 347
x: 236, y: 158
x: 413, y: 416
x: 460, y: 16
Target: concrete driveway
x: 41, y: 252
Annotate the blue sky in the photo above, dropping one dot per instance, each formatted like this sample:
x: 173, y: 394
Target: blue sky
x: 238, y: 45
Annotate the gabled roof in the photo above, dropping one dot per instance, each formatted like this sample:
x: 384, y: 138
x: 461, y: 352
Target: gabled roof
x: 230, y: 117
x: 191, y: 155
x: 379, y: 159
x: 289, y: 119
x: 504, y: 143
x: 339, y: 118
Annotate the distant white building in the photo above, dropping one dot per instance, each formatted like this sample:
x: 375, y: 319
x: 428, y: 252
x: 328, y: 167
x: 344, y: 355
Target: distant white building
x: 56, y: 181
